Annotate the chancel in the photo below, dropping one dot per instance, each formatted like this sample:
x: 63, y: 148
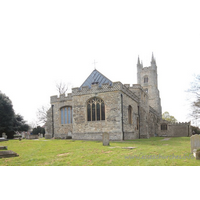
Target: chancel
x: 101, y: 106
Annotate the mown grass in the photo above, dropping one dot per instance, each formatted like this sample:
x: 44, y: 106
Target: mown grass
x: 147, y: 152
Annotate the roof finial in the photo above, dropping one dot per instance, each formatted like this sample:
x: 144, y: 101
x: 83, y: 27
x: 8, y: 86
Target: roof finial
x: 94, y: 64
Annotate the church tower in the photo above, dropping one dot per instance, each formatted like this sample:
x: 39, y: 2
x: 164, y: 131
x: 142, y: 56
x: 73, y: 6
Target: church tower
x: 147, y: 77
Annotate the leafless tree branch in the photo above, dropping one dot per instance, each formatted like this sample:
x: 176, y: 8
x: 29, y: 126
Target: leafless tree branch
x: 62, y: 88
x: 42, y: 114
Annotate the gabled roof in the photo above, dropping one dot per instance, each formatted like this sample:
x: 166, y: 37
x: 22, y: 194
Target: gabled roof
x: 96, y: 78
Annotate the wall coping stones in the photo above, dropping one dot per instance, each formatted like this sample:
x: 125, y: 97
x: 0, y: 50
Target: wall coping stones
x: 105, y: 87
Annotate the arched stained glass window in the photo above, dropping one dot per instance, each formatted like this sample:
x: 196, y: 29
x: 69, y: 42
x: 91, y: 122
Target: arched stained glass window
x: 66, y: 115
x: 95, y: 109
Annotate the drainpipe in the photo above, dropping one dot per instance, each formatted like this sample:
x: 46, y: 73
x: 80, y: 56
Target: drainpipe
x: 52, y: 121
x: 122, y: 117
x: 139, y: 120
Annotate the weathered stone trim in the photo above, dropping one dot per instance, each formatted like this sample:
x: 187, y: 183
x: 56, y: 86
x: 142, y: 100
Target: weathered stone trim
x: 153, y: 111
x: 130, y: 93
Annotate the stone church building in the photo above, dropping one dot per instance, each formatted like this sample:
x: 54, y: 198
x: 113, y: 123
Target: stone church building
x: 100, y: 105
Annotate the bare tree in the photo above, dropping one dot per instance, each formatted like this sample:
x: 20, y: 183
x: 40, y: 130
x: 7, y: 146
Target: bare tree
x: 42, y: 114
x: 195, y: 98
x: 33, y: 124
x: 62, y: 88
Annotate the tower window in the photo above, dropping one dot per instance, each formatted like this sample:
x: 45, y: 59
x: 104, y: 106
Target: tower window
x: 146, y: 90
x: 95, y: 109
x: 146, y: 79
x: 130, y: 115
x: 66, y: 115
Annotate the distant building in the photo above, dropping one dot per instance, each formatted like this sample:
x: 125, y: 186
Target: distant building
x: 125, y: 112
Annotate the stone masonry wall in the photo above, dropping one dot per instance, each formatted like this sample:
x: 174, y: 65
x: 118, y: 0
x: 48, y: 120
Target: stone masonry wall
x: 176, y: 130
x: 130, y: 130
x: 92, y: 130
x: 61, y: 131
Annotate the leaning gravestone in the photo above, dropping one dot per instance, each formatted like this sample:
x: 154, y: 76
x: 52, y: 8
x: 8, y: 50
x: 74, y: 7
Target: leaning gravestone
x: 105, y: 138
x: 195, y: 142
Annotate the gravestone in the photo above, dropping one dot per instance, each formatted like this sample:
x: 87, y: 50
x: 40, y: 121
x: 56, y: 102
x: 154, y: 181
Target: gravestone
x: 7, y: 154
x: 3, y: 139
x: 4, y: 135
x: 27, y: 135
x: 105, y: 138
x: 33, y: 137
x: 23, y: 135
x: 3, y: 148
x: 48, y: 136
x: 195, y: 142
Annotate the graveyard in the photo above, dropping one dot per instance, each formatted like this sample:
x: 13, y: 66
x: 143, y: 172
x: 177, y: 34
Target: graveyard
x: 156, y: 151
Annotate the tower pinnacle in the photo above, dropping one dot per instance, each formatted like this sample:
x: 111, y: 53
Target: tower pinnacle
x: 153, y: 61
x: 138, y: 61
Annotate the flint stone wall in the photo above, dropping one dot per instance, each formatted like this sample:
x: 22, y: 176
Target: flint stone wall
x: 92, y: 130
x: 176, y: 130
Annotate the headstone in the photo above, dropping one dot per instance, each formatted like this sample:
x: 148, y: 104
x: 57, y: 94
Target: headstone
x: 4, y: 135
x: 48, y: 136
x: 23, y: 135
x: 195, y: 142
x: 7, y: 154
x: 105, y: 138
x: 33, y: 137
x: 3, y: 139
x: 70, y: 134
x: 3, y: 148
x: 41, y: 135
x: 27, y: 135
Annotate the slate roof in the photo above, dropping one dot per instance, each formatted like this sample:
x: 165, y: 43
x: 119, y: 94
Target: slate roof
x: 96, y: 77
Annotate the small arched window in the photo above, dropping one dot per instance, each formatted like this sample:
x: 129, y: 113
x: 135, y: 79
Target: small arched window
x: 66, y: 115
x: 146, y: 79
x: 163, y: 127
x: 95, y: 109
x: 129, y: 114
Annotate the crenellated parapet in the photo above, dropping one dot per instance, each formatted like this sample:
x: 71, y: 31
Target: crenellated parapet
x: 62, y: 97
x: 174, y: 123
x: 180, y: 123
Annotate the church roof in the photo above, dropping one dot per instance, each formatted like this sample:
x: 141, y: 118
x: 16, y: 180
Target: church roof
x: 96, y: 78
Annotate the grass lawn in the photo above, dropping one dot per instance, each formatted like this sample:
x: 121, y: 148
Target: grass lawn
x: 148, y: 152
